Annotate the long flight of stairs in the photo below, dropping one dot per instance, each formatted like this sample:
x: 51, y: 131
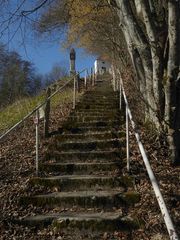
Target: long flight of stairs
x: 83, y: 173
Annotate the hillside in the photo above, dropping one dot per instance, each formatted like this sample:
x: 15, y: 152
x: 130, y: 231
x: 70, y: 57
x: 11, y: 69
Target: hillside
x: 17, y: 168
x: 17, y: 153
x: 13, y: 113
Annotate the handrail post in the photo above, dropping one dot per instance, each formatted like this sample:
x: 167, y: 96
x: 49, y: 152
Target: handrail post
x: 91, y: 75
x: 47, y: 113
x: 127, y: 139
x: 120, y: 96
x: 37, y: 141
x: 74, y: 93
x: 85, y: 79
x: 77, y: 83
x: 96, y: 76
x: 93, y: 81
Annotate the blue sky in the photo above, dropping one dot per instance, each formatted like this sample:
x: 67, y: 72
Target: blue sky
x: 42, y: 53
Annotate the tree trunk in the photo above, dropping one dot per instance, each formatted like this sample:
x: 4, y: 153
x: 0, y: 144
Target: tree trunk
x: 137, y: 64
x: 138, y: 39
x: 173, y: 80
x: 157, y: 58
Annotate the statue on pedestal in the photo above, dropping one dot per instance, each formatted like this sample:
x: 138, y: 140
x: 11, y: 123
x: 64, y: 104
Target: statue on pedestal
x: 72, y: 62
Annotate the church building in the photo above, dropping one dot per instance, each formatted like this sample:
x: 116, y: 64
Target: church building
x: 101, y: 66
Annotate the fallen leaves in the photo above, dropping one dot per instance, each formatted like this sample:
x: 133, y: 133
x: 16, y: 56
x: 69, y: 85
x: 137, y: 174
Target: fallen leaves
x: 168, y: 178
x: 17, y: 166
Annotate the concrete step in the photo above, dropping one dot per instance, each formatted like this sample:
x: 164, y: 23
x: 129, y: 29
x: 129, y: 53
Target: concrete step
x: 98, y: 97
x: 101, y: 93
x: 96, y: 116
x: 85, y: 155
x: 95, y: 112
x: 82, y: 168
x: 83, y: 182
x: 82, y: 171
x: 114, y: 109
x: 98, y: 102
x: 96, y: 107
x: 92, y: 222
x: 88, y: 129
x: 71, y: 124
x: 89, y: 136
x: 85, y: 199
x: 87, y: 118
x: 87, y: 145
x: 108, y: 142
x: 100, y: 111
x: 101, y: 97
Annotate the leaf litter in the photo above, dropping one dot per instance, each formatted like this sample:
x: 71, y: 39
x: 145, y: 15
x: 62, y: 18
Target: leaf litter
x: 17, y: 166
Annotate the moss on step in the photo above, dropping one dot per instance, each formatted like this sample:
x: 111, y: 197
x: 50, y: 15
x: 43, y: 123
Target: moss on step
x: 85, y: 199
x: 86, y: 145
x: 96, y: 225
x: 131, y: 197
x: 72, y: 124
x: 86, y: 155
x: 107, y: 135
x: 83, y: 183
x: 83, y: 168
x: 127, y: 181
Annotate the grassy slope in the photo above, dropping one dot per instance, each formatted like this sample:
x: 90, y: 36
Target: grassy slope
x: 16, y: 111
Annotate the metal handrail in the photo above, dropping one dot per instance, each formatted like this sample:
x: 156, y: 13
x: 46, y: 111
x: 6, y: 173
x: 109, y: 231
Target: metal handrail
x: 39, y: 106
x: 167, y: 219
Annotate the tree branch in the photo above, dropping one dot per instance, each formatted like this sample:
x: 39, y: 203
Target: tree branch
x: 28, y: 12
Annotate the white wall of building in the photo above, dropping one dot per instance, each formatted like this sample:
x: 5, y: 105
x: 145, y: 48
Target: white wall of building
x: 101, y: 66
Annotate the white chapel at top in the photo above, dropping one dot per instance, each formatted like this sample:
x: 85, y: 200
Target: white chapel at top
x: 101, y: 66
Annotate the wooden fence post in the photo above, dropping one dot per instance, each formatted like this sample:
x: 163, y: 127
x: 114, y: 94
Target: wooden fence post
x: 47, y: 113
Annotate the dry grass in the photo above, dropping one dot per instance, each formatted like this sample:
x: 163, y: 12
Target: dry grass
x: 13, y: 113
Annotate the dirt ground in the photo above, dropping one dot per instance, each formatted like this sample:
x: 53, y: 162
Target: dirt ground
x: 17, y: 166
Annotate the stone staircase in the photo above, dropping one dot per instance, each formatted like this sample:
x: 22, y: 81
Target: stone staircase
x: 83, y: 176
